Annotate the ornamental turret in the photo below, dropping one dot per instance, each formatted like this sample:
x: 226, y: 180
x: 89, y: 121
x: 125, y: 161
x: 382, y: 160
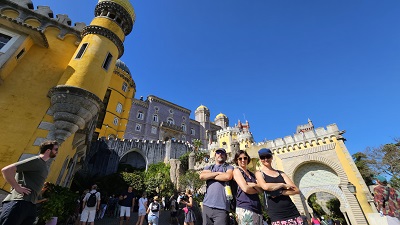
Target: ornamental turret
x: 77, y: 99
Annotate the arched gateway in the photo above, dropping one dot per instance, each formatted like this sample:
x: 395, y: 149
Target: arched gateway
x: 317, y: 160
x: 106, y: 154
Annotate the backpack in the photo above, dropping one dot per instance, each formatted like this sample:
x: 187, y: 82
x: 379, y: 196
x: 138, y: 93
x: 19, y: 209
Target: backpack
x: 176, y: 205
x: 91, y: 202
x: 155, y: 207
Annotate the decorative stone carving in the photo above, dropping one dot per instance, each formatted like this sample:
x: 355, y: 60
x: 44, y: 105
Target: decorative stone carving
x: 73, y: 108
x: 192, y: 160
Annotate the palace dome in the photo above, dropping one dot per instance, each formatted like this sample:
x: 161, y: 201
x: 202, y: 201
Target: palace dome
x: 122, y: 66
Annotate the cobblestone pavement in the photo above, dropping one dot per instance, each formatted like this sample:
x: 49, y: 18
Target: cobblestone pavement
x: 164, y: 220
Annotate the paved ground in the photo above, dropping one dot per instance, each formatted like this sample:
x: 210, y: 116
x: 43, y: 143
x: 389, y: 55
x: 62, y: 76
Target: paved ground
x: 164, y: 220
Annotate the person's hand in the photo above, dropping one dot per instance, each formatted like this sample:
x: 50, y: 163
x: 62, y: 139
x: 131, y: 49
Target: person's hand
x: 22, y: 190
x: 287, y: 187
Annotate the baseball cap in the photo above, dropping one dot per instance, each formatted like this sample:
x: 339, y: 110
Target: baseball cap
x: 381, y: 179
x: 221, y: 150
x: 264, y: 151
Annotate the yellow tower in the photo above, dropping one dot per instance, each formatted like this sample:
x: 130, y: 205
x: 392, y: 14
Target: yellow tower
x: 76, y: 99
x: 118, y: 101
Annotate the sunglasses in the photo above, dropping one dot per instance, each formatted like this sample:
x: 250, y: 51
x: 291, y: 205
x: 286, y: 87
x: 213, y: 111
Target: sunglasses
x: 262, y: 157
x: 220, y: 153
x: 243, y: 158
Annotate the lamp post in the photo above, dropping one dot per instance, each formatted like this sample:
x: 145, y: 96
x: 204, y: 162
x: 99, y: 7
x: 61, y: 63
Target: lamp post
x: 352, y: 188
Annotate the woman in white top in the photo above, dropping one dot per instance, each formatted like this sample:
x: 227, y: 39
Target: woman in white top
x: 142, y: 209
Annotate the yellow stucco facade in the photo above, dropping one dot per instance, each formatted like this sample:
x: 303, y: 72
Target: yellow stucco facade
x: 53, y: 81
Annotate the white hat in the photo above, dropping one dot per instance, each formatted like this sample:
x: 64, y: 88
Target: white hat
x: 322, y: 217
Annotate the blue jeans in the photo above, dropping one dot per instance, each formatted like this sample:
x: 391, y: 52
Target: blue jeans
x: 18, y: 213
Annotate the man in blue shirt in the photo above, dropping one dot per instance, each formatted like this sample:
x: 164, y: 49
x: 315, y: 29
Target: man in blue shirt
x: 216, y: 204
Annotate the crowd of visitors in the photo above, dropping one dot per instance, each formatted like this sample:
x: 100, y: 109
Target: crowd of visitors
x: 232, y: 197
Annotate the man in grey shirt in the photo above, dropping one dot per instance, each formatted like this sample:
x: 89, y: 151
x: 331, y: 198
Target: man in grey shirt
x: 26, y: 179
x: 216, y: 204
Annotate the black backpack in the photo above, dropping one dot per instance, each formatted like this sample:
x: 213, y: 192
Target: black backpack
x: 176, y: 205
x: 91, y: 202
x: 155, y: 207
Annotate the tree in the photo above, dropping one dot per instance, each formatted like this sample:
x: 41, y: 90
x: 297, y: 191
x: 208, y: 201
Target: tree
x: 333, y: 205
x: 385, y: 160
x: 362, y: 162
x: 197, y: 144
x: 134, y: 179
x: 191, y: 180
x: 157, y: 179
x: 312, y: 202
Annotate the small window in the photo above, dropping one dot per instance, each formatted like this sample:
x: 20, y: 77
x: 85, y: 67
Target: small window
x: 183, y: 118
x: 21, y: 53
x: 192, y: 132
x: 4, y: 39
x: 154, y: 130
x: 170, y: 121
x: 81, y: 51
x: 171, y: 111
x: 183, y: 126
x: 125, y: 87
x: 183, y: 138
x: 156, y: 108
x: 119, y: 108
x: 138, y: 127
x: 116, y: 120
x: 107, y: 61
x: 155, y: 118
x: 140, y: 115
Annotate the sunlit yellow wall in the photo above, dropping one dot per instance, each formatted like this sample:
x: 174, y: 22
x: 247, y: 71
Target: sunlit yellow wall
x: 24, y: 101
x: 345, y: 158
x: 117, y: 96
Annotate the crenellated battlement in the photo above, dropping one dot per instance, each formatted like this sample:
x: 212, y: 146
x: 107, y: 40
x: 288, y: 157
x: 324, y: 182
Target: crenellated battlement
x: 301, y: 140
x: 22, y: 12
x: 145, y: 141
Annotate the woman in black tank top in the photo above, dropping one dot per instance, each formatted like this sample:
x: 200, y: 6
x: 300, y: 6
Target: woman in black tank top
x: 277, y: 186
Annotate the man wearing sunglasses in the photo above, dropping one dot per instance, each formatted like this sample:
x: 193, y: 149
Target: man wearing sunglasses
x: 26, y: 179
x: 216, y: 204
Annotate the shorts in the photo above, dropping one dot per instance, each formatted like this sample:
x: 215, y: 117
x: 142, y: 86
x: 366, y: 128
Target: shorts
x: 125, y: 211
x: 142, y: 212
x: 293, y: 221
x: 245, y: 216
x: 152, y: 219
x: 88, y: 214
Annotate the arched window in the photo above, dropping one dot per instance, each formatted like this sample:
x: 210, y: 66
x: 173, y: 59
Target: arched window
x: 192, y: 132
x: 138, y: 127
x: 140, y: 115
x: 116, y: 120
x: 155, y: 118
x: 119, y: 108
x: 183, y: 126
x: 170, y: 121
x: 125, y: 87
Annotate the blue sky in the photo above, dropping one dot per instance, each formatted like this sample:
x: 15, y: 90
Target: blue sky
x: 273, y: 63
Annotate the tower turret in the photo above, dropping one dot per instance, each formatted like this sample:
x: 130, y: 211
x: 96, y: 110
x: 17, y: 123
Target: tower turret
x: 77, y: 98
x: 222, y: 120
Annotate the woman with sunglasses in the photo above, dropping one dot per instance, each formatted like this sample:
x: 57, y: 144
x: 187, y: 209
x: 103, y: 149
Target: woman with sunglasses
x: 248, y: 205
x: 277, y: 186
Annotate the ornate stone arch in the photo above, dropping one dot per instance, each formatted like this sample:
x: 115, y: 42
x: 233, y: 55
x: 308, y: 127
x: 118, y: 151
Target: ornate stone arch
x: 309, y: 158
